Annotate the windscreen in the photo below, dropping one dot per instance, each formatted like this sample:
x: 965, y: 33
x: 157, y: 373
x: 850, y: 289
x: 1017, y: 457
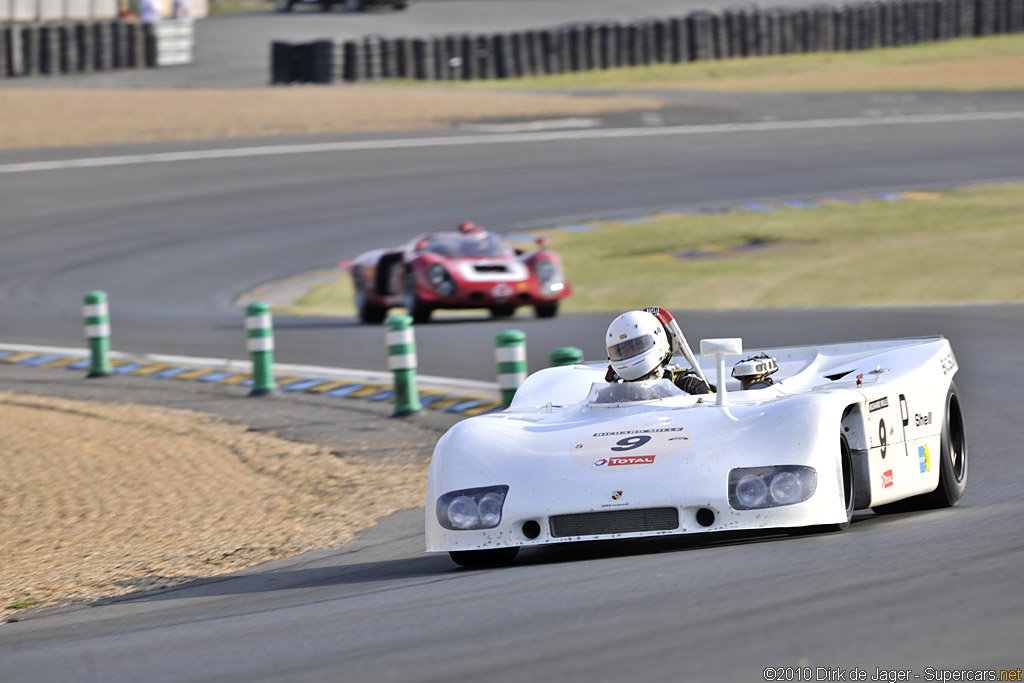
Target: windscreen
x: 614, y: 393
x: 459, y: 245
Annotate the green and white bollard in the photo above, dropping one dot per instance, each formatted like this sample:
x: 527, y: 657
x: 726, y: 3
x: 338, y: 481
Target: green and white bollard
x: 402, y: 362
x: 567, y: 355
x: 259, y: 331
x: 510, y: 353
x: 97, y: 330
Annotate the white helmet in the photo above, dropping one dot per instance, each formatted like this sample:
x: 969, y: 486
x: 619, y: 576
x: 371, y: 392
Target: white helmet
x: 637, y: 345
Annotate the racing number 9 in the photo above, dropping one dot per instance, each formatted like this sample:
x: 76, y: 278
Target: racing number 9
x: 631, y: 442
x: 881, y: 436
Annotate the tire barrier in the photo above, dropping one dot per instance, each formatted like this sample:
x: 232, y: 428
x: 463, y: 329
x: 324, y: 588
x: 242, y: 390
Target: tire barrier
x: 401, y: 341
x: 259, y: 342
x: 96, y: 312
x: 50, y: 49
x: 699, y: 36
x: 510, y: 355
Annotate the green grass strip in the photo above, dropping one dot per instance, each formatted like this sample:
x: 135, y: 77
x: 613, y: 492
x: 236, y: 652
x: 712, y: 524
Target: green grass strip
x: 961, y: 245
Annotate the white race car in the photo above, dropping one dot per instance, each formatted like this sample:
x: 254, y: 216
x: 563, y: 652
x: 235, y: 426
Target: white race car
x: 795, y: 438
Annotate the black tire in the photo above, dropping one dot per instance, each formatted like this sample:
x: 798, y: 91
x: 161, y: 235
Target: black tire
x: 399, y: 4
x: 546, y: 310
x: 326, y: 5
x: 368, y: 313
x: 952, y: 465
x: 484, y: 558
x: 849, y: 484
x: 503, y: 311
x: 419, y: 311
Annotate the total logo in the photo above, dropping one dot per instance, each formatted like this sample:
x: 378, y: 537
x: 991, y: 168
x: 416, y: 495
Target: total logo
x: 622, y: 460
x: 886, y: 479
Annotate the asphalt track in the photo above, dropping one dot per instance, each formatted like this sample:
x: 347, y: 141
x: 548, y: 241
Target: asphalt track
x: 938, y: 589
x: 175, y: 242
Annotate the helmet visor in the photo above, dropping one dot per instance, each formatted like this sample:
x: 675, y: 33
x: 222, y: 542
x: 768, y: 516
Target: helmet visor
x: 630, y: 347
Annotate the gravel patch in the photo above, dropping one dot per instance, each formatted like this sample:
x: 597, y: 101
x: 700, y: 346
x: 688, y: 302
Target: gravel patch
x: 102, y: 499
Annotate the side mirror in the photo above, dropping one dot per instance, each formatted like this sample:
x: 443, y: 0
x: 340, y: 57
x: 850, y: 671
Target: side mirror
x: 719, y: 349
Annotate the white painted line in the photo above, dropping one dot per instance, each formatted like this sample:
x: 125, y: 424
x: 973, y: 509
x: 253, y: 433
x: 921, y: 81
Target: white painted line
x: 533, y: 126
x: 548, y: 136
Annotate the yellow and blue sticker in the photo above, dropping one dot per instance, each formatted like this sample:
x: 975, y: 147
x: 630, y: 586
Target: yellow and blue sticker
x: 924, y: 459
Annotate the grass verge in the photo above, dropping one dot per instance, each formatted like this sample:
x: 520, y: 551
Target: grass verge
x: 968, y: 64
x: 958, y: 246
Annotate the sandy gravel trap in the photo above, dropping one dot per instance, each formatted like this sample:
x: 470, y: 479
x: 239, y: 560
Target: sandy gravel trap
x: 102, y: 499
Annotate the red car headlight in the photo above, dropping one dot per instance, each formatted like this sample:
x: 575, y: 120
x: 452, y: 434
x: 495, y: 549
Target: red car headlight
x: 549, y: 275
x: 441, y: 280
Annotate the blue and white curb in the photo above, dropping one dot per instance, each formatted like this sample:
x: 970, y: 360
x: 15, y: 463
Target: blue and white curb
x: 464, y: 397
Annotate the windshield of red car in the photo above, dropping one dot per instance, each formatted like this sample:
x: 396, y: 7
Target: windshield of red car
x: 456, y: 245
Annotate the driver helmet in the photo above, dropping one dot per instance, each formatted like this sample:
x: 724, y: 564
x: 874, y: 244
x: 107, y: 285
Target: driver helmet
x: 637, y: 345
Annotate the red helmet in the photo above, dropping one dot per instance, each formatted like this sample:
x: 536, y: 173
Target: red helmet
x: 469, y: 226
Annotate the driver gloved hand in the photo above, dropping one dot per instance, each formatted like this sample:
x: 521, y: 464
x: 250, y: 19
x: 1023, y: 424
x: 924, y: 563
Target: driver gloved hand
x: 691, y: 383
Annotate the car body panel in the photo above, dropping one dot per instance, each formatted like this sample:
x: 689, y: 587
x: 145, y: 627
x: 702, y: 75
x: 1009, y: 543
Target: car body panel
x: 554, y: 446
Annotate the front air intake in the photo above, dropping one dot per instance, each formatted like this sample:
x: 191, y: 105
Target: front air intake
x: 614, y: 522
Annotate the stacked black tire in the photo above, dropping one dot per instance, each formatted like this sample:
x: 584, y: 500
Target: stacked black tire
x: 80, y: 47
x: 740, y: 32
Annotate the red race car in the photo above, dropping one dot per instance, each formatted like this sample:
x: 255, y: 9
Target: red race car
x: 467, y: 268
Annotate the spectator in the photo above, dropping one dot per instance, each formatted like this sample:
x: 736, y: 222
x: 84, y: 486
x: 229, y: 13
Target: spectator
x: 149, y: 11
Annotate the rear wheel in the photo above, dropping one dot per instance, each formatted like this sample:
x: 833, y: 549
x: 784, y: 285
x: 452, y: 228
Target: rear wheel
x: 419, y: 311
x: 503, y: 311
x: 484, y: 558
x: 368, y: 312
x: 549, y: 310
x: 952, y: 464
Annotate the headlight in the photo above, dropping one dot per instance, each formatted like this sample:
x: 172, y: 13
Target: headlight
x: 549, y: 275
x: 441, y: 280
x: 437, y: 274
x: 752, y: 488
x: 751, y: 491
x: 471, y: 508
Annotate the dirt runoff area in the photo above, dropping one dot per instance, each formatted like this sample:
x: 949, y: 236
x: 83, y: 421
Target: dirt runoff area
x: 66, y: 117
x: 101, y: 499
